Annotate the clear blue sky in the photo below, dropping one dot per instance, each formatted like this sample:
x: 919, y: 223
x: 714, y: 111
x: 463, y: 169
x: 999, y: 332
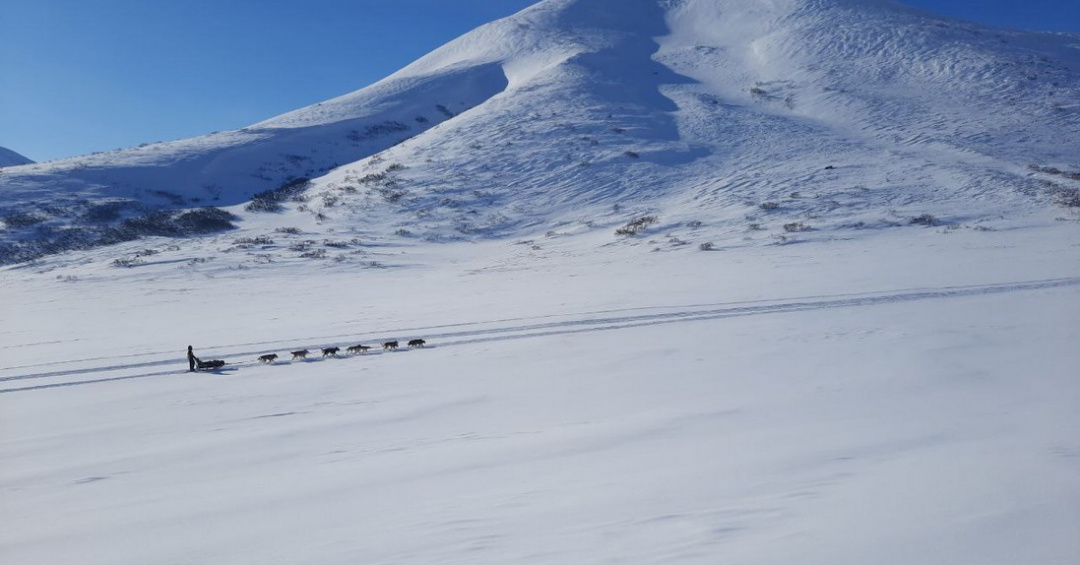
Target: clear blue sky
x: 78, y: 76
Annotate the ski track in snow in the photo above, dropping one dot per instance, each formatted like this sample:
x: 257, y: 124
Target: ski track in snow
x: 580, y: 323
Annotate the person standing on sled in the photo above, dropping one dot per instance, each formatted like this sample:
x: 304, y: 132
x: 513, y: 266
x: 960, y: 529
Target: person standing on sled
x: 192, y: 360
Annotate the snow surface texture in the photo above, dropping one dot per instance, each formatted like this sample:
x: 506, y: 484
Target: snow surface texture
x: 893, y: 400
x: 837, y: 324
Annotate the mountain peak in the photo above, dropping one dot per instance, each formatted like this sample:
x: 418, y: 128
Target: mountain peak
x: 703, y: 110
x: 9, y: 158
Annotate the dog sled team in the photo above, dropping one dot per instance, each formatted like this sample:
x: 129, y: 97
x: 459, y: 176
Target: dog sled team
x: 196, y: 364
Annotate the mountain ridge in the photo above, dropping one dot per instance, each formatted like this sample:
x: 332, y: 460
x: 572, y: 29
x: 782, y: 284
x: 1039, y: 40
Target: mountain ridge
x: 9, y: 158
x: 571, y: 107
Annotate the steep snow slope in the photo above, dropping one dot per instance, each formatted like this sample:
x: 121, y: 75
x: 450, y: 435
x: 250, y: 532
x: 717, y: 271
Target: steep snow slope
x: 859, y: 114
x: 832, y: 114
x: 9, y: 158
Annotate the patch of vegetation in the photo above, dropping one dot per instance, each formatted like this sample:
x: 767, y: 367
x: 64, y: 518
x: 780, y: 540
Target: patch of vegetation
x: 158, y: 222
x: 924, y: 220
x: 104, y: 212
x: 270, y: 200
x: 636, y: 226
x: 390, y: 195
x: 376, y: 130
x: 18, y: 220
x: 127, y: 262
x: 1068, y: 197
x: 302, y: 246
x: 205, y: 220
x: 261, y: 240
x: 372, y: 178
x: 1056, y: 171
x: 314, y: 254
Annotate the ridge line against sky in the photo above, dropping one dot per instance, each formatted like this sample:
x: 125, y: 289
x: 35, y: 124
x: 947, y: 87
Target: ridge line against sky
x: 82, y: 77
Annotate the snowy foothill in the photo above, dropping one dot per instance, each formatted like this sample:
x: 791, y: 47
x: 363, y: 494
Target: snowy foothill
x: 699, y: 281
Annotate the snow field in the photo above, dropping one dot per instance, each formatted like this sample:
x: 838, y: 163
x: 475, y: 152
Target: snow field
x: 612, y: 406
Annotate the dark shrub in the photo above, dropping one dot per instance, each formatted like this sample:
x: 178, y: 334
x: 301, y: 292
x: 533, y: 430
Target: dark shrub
x: 637, y: 225
x: 261, y: 240
x: 270, y: 200
x: 262, y: 205
x: 104, y: 212
x: 158, y: 222
x: 924, y: 220
x: 116, y: 234
x: 205, y: 220
x: 15, y: 220
x: 1069, y: 198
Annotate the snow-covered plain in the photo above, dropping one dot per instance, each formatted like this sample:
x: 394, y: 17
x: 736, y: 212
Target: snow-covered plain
x: 903, y: 399
x: 876, y: 361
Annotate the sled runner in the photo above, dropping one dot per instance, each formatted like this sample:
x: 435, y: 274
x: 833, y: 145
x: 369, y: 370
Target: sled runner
x: 209, y: 365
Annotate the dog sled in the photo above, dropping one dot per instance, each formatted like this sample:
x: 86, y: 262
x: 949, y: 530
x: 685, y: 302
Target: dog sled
x: 210, y: 365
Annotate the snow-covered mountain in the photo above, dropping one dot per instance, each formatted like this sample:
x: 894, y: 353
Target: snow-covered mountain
x: 9, y: 158
x: 701, y: 281
x: 692, y: 110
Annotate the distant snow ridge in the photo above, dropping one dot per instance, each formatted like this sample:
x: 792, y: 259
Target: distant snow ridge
x: 789, y: 119
x: 9, y: 158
